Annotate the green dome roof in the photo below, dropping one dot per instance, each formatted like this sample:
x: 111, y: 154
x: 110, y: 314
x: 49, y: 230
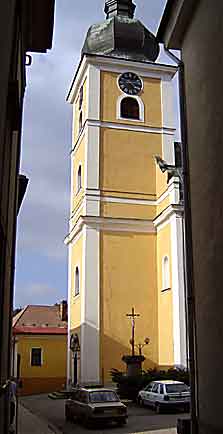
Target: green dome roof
x: 120, y: 35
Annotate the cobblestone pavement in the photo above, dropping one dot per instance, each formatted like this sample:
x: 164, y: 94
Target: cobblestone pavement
x: 140, y: 421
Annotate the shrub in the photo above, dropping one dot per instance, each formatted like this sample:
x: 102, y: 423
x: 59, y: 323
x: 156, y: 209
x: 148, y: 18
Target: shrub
x: 128, y: 387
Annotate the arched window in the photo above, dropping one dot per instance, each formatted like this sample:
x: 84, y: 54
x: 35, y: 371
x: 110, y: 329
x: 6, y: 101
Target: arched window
x: 81, y: 95
x: 130, y: 108
x: 79, y: 179
x: 77, y: 281
x: 166, y: 273
x: 80, y: 122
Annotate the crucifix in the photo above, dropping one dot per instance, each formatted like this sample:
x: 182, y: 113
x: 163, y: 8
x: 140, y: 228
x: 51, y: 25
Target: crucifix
x: 133, y: 315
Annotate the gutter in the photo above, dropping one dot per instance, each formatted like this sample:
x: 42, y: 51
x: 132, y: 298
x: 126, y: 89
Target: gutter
x: 188, y: 248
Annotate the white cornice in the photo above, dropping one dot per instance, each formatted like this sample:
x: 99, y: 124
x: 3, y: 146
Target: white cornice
x: 152, y: 70
x: 111, y: 224
x: 124, y: 225
x: 121, y: 126
x: 131, y: 127
x: 95, y: 196
x: 167, y: 214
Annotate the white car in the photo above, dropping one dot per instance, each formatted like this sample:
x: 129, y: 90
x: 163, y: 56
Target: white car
x: 165, y: 394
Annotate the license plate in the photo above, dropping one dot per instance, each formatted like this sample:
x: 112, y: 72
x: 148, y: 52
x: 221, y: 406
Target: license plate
x: 110, y: 410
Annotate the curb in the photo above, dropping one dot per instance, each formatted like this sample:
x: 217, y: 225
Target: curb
x: 54, y: 429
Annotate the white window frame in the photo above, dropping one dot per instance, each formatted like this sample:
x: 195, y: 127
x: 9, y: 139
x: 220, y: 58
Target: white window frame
x: 165, y: 273
x: 141, y: 108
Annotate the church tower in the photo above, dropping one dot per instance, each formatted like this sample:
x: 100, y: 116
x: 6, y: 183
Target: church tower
x: 126, y: 234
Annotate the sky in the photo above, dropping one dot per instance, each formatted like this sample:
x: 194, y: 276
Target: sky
x: 41, y: 262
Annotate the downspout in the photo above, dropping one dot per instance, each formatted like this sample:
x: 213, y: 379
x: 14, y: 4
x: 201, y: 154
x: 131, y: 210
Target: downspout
x: 188, y: 247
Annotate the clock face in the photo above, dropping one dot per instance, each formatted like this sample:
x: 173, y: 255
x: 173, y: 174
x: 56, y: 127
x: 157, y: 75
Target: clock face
x: 130, y: 83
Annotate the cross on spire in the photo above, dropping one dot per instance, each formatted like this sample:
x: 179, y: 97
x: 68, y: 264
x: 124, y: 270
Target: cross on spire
x: 124, y: 8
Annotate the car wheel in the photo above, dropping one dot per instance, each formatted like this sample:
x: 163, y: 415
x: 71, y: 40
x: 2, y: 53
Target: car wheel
x: 158, y: 408
x: 187, y: 408
x: 140, y: 402
x: 86, y: 421
x: 68, y: 415
x: 122, y: 422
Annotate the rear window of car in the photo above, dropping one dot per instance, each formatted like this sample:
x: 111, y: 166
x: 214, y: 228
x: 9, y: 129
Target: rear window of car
x: 177, y: 388
x: 103, y: 396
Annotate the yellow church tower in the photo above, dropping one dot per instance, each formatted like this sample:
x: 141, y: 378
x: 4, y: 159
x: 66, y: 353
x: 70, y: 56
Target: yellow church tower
x: 126, y: 223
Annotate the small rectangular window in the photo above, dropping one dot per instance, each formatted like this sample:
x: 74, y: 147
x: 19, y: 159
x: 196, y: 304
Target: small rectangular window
x: 36, y: 357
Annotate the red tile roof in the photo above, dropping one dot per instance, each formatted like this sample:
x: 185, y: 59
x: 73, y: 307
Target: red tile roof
x: 40, y: 330
x: 35, y: 319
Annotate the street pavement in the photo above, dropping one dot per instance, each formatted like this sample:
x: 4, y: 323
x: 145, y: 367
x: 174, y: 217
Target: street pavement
x: 29, y: 423
x: 140, y: 421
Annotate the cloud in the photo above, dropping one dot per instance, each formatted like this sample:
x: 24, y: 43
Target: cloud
x: 38, y: 293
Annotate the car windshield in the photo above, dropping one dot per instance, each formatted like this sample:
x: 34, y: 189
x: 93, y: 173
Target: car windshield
x: 103, y: 396
x: 177, y: 388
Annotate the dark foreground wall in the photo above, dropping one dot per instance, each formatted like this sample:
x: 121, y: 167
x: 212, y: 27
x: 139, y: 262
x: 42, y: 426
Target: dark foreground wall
x: 202, y: 55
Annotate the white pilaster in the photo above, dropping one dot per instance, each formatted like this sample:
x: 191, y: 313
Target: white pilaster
x: 69, y: 354
x: 90, y: 308
x: 92, y: 158
x: 167, y: 118
x: 93, y: 92
x: 178, y: 289
x: 92, y: 148
x: 174, y: 190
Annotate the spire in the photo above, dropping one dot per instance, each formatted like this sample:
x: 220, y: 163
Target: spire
x: 124, y: 8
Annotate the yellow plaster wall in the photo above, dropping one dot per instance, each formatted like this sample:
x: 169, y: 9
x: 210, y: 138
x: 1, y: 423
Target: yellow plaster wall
x: 76, y: 111
x: 128, y: 278
x: 75, y: 302
x: 165, y: 301
x: 78, y: 158
x: 119, y: 210
x: 54, y: 349
x: 161, y: 180
x: 127, y: 161
x: 151, y: 97
x: 128, y: 195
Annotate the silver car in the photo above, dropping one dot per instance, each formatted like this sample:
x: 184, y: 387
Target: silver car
x: 165, y: 394
x: 95, y: 405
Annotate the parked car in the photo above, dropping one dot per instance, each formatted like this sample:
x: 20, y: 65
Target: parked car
x: 95, y: 405
x: 165, y: 394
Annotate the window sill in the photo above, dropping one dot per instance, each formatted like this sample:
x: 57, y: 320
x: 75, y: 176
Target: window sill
x: 130, y: 119
x: 165, y: 289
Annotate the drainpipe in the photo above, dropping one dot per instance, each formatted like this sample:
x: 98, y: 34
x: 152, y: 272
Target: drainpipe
x: 190, y: 299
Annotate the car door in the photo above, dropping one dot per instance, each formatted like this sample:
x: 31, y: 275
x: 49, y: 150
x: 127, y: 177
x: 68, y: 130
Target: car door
x: 82, y: 404
x: 74, y: 403
x: 146, y: 394
x: 154, y: 393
